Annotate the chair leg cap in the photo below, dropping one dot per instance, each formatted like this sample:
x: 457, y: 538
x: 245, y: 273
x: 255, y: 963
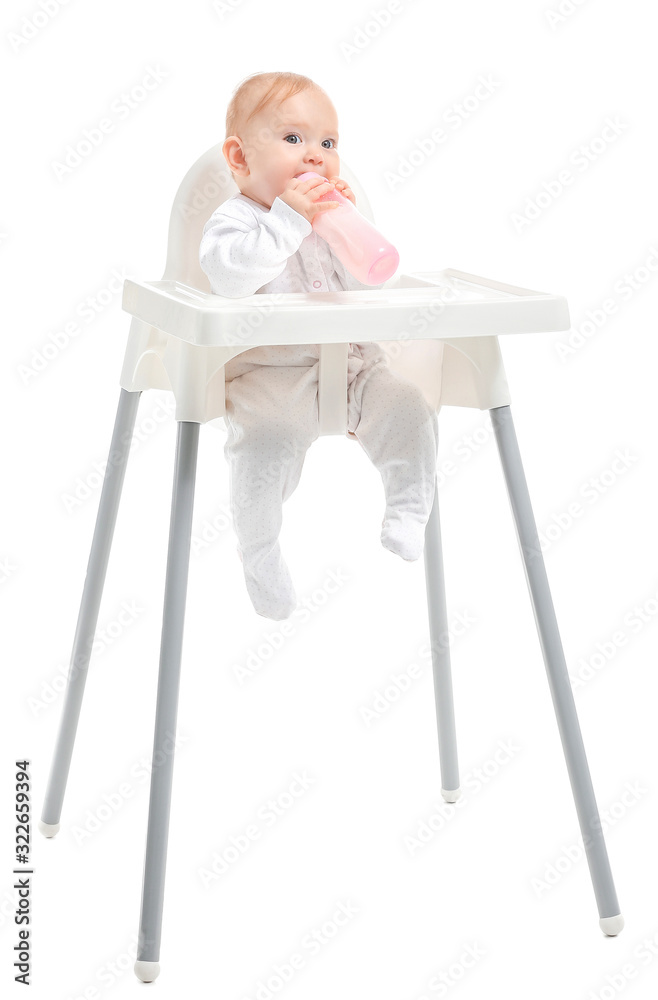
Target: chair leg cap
x: 147, y: 971
x: 48, y: 829
x: 451, y: 794
x: 611, y: 925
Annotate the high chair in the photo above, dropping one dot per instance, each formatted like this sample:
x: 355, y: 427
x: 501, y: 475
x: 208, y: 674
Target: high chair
x: 441, y: 330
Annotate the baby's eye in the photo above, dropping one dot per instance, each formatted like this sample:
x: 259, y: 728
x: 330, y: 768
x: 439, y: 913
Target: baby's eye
x: 293, y: 135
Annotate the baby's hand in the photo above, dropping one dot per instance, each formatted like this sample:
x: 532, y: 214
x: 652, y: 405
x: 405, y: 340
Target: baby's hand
x: 344, y: 189
x: 303, y: 195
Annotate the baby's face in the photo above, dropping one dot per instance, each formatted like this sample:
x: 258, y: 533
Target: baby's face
x: 297, y: 135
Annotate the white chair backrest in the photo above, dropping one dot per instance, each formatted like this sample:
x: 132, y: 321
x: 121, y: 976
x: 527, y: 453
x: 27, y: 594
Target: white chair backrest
x: 206, y: 185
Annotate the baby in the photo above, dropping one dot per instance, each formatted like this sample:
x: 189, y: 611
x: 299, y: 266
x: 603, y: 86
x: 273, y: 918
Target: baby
x: 278, y: 126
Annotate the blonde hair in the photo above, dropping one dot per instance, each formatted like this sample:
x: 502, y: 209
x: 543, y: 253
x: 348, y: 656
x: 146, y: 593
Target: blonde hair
x: 259, y: 91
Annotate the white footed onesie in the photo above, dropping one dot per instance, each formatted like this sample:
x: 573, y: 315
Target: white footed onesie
x: 272, y: 399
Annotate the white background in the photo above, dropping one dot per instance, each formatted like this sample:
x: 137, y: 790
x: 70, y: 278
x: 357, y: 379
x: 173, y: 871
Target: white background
x: 343, y: 840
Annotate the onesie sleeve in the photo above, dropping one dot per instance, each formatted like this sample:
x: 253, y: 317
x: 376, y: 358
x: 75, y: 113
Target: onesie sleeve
x: 241, y: 251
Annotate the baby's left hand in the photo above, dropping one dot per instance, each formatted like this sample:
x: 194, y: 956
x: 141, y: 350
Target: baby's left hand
x: 344, y: 189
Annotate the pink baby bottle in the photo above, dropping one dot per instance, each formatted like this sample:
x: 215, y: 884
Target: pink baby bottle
x: 359, y: 247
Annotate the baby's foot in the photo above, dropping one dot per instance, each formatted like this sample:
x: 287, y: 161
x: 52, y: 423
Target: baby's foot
x: 270, y: 586
x: 404, y: 535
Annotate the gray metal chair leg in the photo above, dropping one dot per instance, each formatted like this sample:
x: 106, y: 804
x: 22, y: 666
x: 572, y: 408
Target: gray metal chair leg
x: 611, y: 921
x: 89, y: 605
x: 439, y: 639
x: 178, y: 558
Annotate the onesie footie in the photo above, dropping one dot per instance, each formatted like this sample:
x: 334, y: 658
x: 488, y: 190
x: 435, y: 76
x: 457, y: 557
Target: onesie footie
x: 404, y: 535
x: 269, y: 585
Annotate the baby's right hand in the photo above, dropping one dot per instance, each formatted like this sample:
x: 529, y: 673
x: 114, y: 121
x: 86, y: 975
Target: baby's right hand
x: 303, y: 195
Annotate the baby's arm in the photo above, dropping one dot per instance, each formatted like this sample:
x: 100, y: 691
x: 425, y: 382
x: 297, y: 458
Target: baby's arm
x: 240, y: 254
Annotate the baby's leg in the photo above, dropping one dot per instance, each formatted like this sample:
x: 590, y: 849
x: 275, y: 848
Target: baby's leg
x: 272, y: 418
x: 399, y: 432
